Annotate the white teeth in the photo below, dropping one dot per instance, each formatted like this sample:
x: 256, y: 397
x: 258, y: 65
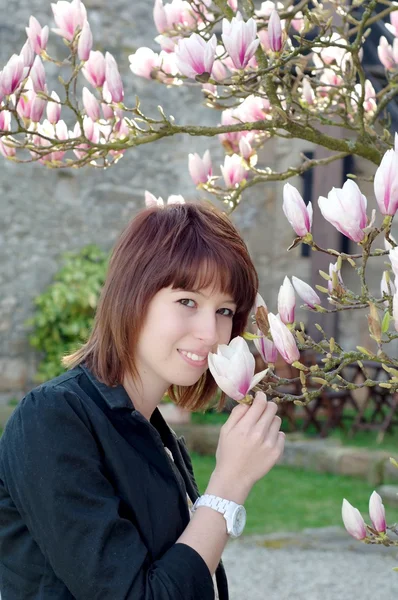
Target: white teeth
x: 193, y: 356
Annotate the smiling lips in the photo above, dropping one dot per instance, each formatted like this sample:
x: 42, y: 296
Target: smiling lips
x: 192, y: 358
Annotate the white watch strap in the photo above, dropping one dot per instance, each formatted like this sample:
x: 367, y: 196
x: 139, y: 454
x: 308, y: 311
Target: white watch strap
x: 219, y: 504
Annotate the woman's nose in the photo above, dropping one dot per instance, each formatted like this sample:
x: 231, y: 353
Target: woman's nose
x: 207, y: 330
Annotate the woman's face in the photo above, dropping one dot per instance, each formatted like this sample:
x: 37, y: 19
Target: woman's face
x: 180, y: 330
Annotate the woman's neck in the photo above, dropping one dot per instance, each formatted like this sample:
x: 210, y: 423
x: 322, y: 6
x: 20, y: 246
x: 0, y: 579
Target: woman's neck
x: 144, y: 398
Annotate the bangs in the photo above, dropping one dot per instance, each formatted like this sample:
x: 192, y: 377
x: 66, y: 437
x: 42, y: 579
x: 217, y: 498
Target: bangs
x: 194, y: 264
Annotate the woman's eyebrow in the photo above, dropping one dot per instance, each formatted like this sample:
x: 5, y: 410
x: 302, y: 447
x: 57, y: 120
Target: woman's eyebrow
x: 229, y: 300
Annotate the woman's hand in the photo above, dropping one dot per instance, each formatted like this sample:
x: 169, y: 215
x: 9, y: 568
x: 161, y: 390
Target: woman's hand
x: 250, y: 444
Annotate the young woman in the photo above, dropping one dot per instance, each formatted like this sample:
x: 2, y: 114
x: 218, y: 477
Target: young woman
x: 95, y: 488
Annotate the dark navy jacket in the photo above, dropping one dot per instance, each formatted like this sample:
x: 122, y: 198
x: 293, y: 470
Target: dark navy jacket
x: 91, y: 505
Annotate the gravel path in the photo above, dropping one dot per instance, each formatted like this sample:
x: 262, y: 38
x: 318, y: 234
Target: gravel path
x: 316, y: 565
x: 322, y: 564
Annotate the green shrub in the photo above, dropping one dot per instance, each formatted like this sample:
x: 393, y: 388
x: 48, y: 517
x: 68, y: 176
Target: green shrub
x: 65, y: 310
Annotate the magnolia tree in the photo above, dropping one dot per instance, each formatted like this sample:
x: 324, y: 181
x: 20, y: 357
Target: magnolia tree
x: 278, y: 71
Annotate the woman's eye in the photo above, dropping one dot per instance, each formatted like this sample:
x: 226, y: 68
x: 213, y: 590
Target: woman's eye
x: 184, y: 302
x: 226, y: 312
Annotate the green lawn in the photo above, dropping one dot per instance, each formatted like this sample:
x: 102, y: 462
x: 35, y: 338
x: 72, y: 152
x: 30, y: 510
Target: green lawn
x: 362, y: 439
x: 291, y: 500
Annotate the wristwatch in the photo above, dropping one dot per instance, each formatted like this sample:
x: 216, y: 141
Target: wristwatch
x: 234, y: 514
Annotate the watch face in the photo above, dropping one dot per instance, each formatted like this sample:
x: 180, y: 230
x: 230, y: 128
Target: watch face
x: 239, y: 520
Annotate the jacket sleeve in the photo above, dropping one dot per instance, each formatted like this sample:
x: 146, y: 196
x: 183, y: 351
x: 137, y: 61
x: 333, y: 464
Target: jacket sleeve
x: 55, y: 475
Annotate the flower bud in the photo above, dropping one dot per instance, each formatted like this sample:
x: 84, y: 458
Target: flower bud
x: 386, y: 183
x: 296, y: 211
x: 286, y: 301
x: 54, y: 109
x: 38, y: 75
x: 94, y: 69
x: 85, y: 43
x: 275, y: 32
x: 306, y: 292
x: 353, y: 521
x: 12, y: 75
x: 377, y: 513
x: 283, y: 339
x: 91, y: 105
x: 113, y: 79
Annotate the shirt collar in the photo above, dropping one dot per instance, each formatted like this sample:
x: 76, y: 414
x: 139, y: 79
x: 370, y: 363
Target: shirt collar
x: 115, y: 396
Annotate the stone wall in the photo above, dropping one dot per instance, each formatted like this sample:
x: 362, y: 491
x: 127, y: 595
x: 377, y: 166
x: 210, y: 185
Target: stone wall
x: 46, y: 212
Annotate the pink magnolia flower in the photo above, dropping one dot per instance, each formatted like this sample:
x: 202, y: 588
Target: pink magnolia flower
x: 296, y: 211
x: 37, y: 108
x: 151, y: 200
x: 275, y: 32
x: 245, y: 149
x: 38, y: 75
x: 330, y: 80
x: 200, y: 169
x: 386, y: 183
x: 286, y: 301
x: 107, y: 111
x: 393, y: 27
x: 231, y: 139
x: 298, y: 21
x: 25, y: 100
x: 377, y: 513
x: 369, y: 103
x: 54, y: 109
x: 233, y: 368
x: 345, y: 209
x: 113, y: 79
x: 308, y: 92
x: 12, y: 75
x: 58, y: 131
x: 353, y: 521
x: 233, y: 4
x: 266, y: 348
x: 306, y: 292
x: 27, y: 54
x: 85, y: 43
x: 331, y: 54
x: 37, y: 35
x: 6, y: 148
x: 385, y: 54
x: 143, y: 62
x: 5, y: 120
x: 233, y: 170
x: 240, y: 39
x: 171, y: 16
x: 195, y: 56
x: 68, y: 16
x: 94, y: 69
x: 91, y: 105
x: 253, y: 108
x: 283, y: 339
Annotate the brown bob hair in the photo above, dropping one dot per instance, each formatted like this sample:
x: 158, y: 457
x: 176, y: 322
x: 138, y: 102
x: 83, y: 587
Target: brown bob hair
x: 186, y: 246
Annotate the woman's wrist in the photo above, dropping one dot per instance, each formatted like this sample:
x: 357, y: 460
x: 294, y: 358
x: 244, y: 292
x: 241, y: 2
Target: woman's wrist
x: 230, y: 489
